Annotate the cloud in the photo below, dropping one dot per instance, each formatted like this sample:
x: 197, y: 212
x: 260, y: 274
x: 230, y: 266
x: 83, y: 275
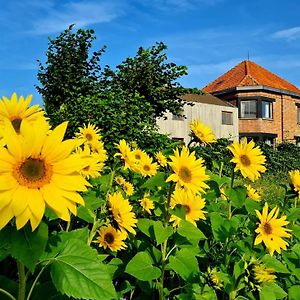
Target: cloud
x: 80, y: 13
x: 289, y: 34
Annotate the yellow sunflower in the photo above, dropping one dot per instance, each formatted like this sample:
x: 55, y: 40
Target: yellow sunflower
x: 189, y: 171
x: 128, y: 188
x: 192, y: 204
x: 89, y: 134
x: 202, y: 132
x: 92, y: 163
x: 98, y: 148
x: 161, y: 159
x: 122, y: 212
x: 17, y: 111
x: 126, y: 154
x: 146, y: 167
x: 120, y: 180
x: 214, y: 278
x: 271, y: 230
x: 295, y: 179
x: 111, y: 238
x: 252, y: 193
x: 138, y: 154
x: 262, y: 274
x: 147, y: 204
x: 248, y: 159
x: 36, y: 171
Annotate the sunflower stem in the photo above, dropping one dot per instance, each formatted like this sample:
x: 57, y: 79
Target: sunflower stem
x: 93, y: 231
x: 9, y: 295
x: 232, y: 177
x: 163, y: 263
x: 22, y: 281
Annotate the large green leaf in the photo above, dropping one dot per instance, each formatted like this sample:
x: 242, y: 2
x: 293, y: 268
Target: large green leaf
x: 237, y: 196
x: 185, y: 264
x: 5, y: 242
x: 191, y: 232
x: 77, y: 272
x: 27, y: 246
x: 141, y: 267
x: 155, y: 181
x: 271, y: 291
x: 87, y: 212
x: 294, y: 292
x: 146, y: 226
x: 162, y: 232
x: 272, y: 262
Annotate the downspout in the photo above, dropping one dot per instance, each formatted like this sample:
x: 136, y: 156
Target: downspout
x: 282, y: 118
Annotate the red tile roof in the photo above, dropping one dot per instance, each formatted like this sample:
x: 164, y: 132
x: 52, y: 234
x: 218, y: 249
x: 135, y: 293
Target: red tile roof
x: 248, y: 73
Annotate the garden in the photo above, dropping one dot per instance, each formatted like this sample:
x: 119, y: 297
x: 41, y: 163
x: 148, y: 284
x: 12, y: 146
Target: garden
x: 107, y: 208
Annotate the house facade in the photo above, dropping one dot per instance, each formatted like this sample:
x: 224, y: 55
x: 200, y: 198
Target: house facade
x: 220, y: 116
x: 268, y: 106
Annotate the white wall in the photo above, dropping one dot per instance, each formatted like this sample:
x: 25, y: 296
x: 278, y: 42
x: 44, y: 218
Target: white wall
x: 208, y: 114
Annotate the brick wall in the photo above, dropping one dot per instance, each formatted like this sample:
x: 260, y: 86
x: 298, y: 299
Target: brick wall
x: 284, y: 122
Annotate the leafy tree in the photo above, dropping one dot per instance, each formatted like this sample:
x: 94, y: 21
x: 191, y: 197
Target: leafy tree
x: 69, y: 73
x: 151, y: 76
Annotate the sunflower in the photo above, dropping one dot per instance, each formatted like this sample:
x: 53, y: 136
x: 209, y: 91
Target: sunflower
x: 126, y: 154
x: 271, y: 230
x: 98, y: 148
x: 223, y: 195
x: 36, y: 171
x: 161, y: 159
x: 18, y: 111
x: 92, y: 163
x: 147, y: 167
x: 147, y: 204
x: 295, y: 179
x: 89, y: 134
x: 138, y: 154
x: 248, y: 159
x: 120, y: 180
x: 214, y: 278
x: 202, y: 132
x: 111, y: 238
x: 192, y: 204
x: 262, y: 274
x: 189, y: 171
x: 252, y: 193
x: 122, y: 212
x: 128, y: 188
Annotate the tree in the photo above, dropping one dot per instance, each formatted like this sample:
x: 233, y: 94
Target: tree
x: 69, y: 73
x: 151, y: 76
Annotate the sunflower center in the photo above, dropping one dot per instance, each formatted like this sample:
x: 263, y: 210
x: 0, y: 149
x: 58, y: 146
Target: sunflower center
x: 88, y: 136
x: 16, y: 123
x: 245, y: 160
x: 185, y: 174
x: 87, y: 168
x: 267, y: 228
x: 146, y: 168
x: 137, y: 157
x: 186, y: 208
x: 32, y: 172
x: 109, y: 238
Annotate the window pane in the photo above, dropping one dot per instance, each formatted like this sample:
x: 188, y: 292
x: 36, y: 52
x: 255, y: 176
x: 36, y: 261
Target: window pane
x: 266, y: 109
x: 248, y: 109
x: 227, y: 118
x: 298, y: 114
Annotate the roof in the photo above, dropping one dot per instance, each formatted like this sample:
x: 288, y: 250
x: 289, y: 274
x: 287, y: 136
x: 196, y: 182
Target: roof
x: 204, y: 98
x: 248, y: 73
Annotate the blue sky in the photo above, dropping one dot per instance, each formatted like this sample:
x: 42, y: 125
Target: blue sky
x: 208, y: 36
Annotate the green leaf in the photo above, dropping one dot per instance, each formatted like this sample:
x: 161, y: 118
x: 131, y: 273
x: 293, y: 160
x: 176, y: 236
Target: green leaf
x: 140, y: 266
x: 27, y: 246
x: 146, y: 226
x: 296, y: 231
x: 8, y: 285
x: 237, y: 196
x: 155, y: 181
x: 272, y: 291
x: 161, y: 232
x: 191, y: 232
x: 184, y: 264
x: 5, y: 244
x: 272, y: 262
x: 77, y: 272
x: 293, y: 214
x: 87, y: 212
x: 251, y: 206
x: 294, y: 292
x: 47, y: 291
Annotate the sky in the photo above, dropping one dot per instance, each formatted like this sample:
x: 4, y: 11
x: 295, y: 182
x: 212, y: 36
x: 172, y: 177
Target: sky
x: 208, y: 36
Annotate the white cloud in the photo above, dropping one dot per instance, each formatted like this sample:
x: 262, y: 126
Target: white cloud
x: 79, y: 13
x: 288, y: 34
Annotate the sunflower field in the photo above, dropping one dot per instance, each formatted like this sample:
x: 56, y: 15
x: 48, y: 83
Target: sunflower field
x: 73, y: 226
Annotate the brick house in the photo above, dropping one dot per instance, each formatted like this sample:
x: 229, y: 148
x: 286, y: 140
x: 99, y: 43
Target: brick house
x: 268, y: 106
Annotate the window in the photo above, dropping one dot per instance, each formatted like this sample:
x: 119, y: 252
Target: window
x: 267, y: 110
x: 227, y: 118
x: 298, y: 114
x: 248, y: 109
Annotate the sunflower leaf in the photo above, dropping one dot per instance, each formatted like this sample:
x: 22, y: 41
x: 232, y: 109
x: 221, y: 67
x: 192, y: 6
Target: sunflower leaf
x: 161, y: 232
x: 272, y: 291
x: 77, y: 272
x: 155, y: 181
x: 140, y: 266
x: 27, y: 246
